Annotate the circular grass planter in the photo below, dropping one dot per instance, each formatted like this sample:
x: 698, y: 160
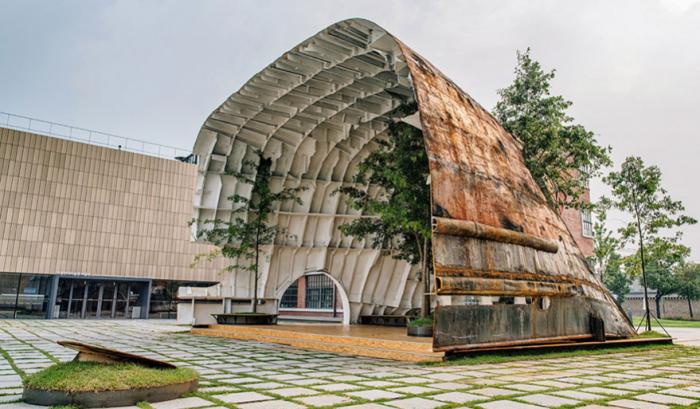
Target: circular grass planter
x: 95, y: 385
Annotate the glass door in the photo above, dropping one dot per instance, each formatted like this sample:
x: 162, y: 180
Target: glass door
x: 76, y: 298
x: 106, y: 300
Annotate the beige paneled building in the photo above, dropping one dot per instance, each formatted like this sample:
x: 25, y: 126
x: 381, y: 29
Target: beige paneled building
x: 93, y: 231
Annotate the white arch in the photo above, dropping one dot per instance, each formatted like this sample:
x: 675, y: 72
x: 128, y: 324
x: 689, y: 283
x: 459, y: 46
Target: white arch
x: 338, y: 285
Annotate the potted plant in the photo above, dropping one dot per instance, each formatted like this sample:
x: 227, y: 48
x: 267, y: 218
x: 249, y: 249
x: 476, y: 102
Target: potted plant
x: 420, y: 327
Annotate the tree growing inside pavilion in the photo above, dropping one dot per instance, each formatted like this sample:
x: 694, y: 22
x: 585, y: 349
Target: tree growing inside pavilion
x: 400, y: 219
x: 240, y: 238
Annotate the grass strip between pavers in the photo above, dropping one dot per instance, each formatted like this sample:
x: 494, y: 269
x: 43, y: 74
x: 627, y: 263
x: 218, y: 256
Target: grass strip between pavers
x: 12, y: 363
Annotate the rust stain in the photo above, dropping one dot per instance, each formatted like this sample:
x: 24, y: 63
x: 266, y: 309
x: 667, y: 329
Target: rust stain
x: 494, y: 233
x: 454, y: 227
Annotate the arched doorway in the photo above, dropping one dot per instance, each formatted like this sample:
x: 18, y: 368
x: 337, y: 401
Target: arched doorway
x: 315, y: 297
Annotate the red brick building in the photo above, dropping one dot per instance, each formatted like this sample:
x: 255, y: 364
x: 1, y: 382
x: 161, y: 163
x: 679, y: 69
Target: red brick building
x: 580, y: 224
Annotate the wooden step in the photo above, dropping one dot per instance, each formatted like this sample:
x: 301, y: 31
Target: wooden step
x: 326, y: 341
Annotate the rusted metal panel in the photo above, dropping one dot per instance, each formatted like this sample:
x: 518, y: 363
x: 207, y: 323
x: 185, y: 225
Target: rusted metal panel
x: 94, y: 353
x: 464, y: 228
x: 494, y: 234
x: 461, y: 328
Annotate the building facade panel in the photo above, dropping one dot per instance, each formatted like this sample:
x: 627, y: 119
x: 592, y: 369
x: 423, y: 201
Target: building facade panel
x: 74, y: 209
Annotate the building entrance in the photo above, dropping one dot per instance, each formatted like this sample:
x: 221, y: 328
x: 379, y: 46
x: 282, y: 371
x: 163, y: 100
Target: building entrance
x: 89, y: 298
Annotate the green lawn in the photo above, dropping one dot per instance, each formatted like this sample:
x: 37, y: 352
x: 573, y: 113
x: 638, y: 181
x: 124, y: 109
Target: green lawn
x: 91, y: 376
x: 496, y: 358
x: 669, y: 323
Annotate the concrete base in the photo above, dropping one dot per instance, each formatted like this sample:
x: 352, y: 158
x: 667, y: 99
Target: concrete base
x: 199, y: 313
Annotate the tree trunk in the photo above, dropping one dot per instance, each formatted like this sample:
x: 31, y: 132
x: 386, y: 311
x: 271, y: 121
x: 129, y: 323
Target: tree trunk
x: 690, y: 306
x: 257, y: 254
x: 657, y: 298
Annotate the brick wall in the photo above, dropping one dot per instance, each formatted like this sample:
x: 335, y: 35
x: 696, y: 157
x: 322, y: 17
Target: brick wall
x: 671, y: 307
x: 301, y: 292
x: 572, y: 219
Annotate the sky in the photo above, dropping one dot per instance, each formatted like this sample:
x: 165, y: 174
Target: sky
x: 154, y: 70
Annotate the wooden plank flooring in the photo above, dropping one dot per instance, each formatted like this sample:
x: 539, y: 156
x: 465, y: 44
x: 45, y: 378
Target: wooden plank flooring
x: 363, y: 340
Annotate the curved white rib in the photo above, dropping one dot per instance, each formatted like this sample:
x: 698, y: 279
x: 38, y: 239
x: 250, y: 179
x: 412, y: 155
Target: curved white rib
x: 315, y: 112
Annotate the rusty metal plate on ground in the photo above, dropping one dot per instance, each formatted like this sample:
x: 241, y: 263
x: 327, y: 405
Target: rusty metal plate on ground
x: 94, y: 353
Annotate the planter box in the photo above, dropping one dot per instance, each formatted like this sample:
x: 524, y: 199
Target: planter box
x: 422, y: 331
x: 245, y: 319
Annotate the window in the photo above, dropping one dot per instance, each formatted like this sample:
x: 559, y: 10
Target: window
x: 289, y: 299
x: 319, y: 292
x: 24, y: 295
x: 586, y: 223
x: 584, y: 176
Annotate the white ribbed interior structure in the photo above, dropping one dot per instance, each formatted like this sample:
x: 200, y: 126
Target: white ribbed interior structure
x: 316, y: 113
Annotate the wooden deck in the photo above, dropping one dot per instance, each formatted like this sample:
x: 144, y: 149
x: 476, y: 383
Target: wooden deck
x: 363, y: 340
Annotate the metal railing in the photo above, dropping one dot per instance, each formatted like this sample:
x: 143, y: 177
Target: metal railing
x: 39, y: 126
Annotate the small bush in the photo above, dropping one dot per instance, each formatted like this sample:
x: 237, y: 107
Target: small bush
x: 421, y: 322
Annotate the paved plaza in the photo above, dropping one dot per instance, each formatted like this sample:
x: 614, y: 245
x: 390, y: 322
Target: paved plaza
x: 240, y: 374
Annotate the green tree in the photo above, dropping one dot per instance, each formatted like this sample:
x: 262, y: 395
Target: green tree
x: 689, y: 283
x: 615, y: 277
x: 605, y: 243
x: 637, y: 190
x: 240, y: 238
x: 662, y: 258
x: 560, y: 154
x: 401, y: 210
x: 607, y: 260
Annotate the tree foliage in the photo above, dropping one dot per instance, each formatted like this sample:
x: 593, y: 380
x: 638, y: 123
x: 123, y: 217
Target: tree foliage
x: 401, y: 205
x: 688, y: 276
x: 239, y: 239
x: 605, y: 243
x: 655, y: 218
x: 606, y: 257
x: 616, y: 278
x: 560, y: 154
x: 637, y: 190
x: 662, y: 258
